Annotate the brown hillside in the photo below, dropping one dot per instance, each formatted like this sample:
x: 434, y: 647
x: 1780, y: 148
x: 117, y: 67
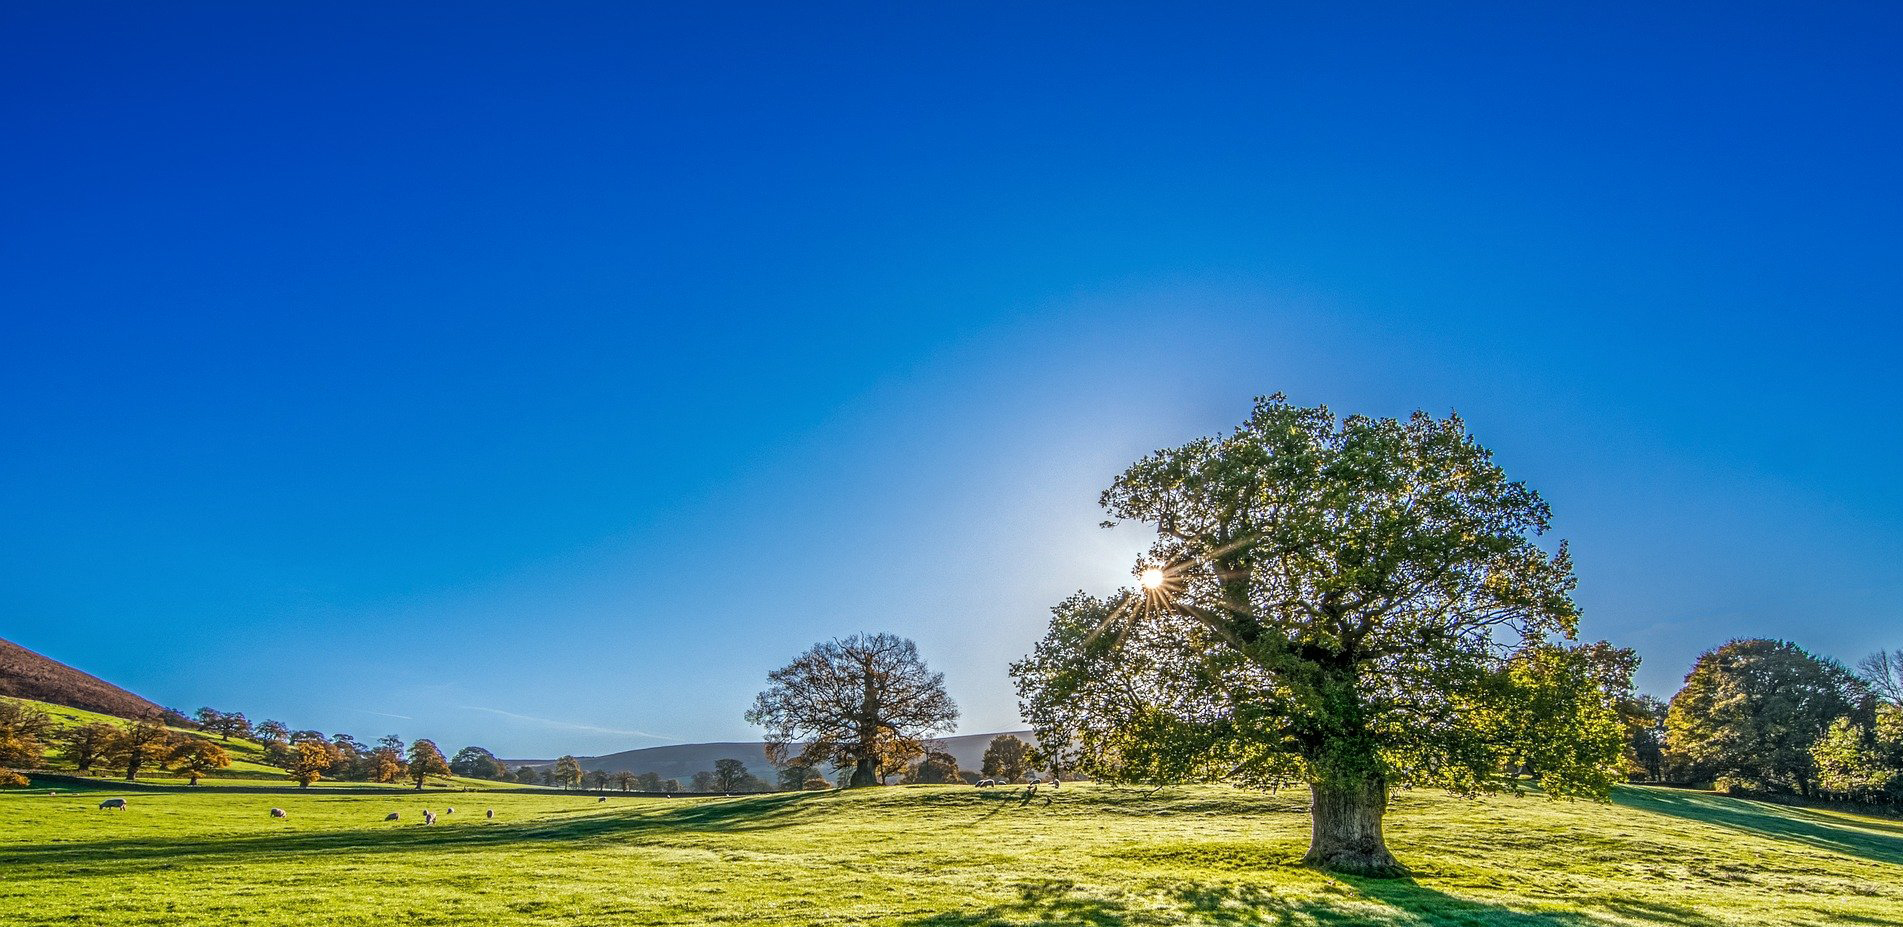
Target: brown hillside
x: 25, y: 674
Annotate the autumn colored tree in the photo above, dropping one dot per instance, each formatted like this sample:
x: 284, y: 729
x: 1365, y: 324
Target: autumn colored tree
x: 866, y: 702
x: 196, y: 756
x: 1007, y: 759
x: 24, y: 731
x: 425, y: 760
x: 87, y: 743
x: 1355, y: 603
x: 137, y: 743
x: 309, y: 760
x: 1751, y: 711
x: 568, y: 772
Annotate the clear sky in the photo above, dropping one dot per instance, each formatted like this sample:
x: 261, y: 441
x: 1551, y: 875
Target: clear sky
x: 541, y: 375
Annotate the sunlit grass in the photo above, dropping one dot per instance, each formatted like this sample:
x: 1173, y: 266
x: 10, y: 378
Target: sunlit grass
x: 923, y: 855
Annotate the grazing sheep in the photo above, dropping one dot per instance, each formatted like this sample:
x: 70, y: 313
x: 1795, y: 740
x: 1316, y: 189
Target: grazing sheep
x: 491, y: 813
x: 987, y: 783
x: 429, y: 817
x: 449, y: 811
x: 392, y: 816
x: 116, y: 804
x: 601, y: 799
x: 278, y: 813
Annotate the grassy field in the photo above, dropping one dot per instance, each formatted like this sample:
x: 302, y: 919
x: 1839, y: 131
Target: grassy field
x: 932, y: 855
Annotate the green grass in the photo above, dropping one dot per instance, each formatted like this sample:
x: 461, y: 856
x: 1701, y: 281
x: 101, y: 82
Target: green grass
x: 248, y: 767
x: 933, y: 855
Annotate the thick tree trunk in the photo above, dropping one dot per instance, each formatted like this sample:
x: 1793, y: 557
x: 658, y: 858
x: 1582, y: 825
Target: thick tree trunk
x: 863, y: 773
x: 1347, y: 828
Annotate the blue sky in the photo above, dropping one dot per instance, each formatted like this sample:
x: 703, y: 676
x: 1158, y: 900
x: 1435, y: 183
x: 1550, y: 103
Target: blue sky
x: 541, y: 378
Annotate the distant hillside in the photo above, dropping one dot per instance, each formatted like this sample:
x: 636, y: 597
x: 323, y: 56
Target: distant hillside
x: 25, y: 674
x: 681, y: 761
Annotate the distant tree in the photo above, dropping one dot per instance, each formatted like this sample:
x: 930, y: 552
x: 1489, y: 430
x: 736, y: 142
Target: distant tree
x: 548, y: 775
x: 196, y: 756
x: 271, y: 731
x: 307, y: 737
x: 13, y: 780
x: 86, y: 743
x: 599, y: 778
x: 137, y: 743
x: 392, y: 742
x: 703, y: 781
x: 309, y: 760
x: 426, y: 761
x: 354, y: 762
x: 385, y: 763
x: 225, y: 724
x: 937, y: 768
x: 866, y: 702
x: 1350, y: 602
x: 671, y: 785
x: 1883, y: 673
x: 24, y: 731
x: 568, y: 772
x: 794, y: 777
x: 527, y: 775
x: 1644, y: 718
x: 1007, y: 759
x: 649, y: 782
x: 730, y: 775
x: 477, y: 763
x: 1751, y: 711
x: 1865, y: 763
x: 172, y: 717
x: 625, y: 780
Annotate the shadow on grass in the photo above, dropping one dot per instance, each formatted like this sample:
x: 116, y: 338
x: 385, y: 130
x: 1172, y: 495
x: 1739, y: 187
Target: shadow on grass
x: 1372, y: 902
x: 149, y: 853
x: 1783, y: 822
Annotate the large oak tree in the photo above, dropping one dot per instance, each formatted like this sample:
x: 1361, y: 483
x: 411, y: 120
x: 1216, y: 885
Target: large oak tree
x: 1356, y: 603
x: 867, y: 702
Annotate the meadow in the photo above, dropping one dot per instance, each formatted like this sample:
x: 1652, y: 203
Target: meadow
x: 910, y: 856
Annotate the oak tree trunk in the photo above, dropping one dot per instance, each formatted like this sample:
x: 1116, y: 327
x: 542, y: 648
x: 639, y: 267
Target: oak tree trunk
x: 1347, y: 828
x: 863, y: 773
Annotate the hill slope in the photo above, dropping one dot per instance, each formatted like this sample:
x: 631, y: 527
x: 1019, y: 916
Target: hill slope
x: 25, y: 674
x: 680, y: 761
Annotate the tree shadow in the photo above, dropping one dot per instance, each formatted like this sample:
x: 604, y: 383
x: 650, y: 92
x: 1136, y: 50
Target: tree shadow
x: 1783, y: 822
x: 130, y: 855
x: 1369, y: 902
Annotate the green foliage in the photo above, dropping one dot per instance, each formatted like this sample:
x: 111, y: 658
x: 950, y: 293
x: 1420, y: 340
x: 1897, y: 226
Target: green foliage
x: 568, y: 772
x: 1357, y: 603
x: 196, y: 757
x: 1355, y: 600
x: 1006, y: 759
x: 478, y: 763
x: 1751, y: 711
x: 1865, y: 763
x: 937, y: 768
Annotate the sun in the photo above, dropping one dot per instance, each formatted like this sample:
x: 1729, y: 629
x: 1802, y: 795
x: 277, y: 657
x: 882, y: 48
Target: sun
x: 1151, y: 578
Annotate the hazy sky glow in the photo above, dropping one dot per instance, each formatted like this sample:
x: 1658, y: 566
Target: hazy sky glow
x: 542, y: 379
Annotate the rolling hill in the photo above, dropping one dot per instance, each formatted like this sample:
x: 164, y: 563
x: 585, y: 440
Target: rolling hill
x: 28, y: 675
x: 681, y: 761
